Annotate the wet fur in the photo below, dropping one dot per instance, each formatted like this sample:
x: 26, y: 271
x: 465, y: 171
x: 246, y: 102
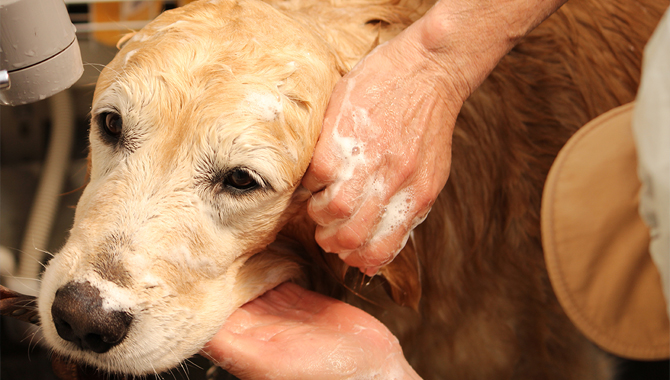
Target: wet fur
x: 469, y: 297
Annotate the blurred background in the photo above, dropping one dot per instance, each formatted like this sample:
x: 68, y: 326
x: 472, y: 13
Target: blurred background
x: 43, y: 149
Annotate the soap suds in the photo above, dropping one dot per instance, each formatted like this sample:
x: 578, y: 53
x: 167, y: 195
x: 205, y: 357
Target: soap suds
x: 128, y: 56
x: 140, y: 37
x: 395, y: 214
x: 266, y: 106
x: 114, y: 297
x: 354, y: 157
x: 351, y: 151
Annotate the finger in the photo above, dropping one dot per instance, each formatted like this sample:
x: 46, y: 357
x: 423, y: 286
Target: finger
x: 346, y: 164
x: 247, y: 357
x: 289, y: 300
x: 354, y: 232
x: 233, y: 352
x: 344, y: 198
x: 391, y: 235
x: 317, y: 176
x: 377, y: 253
x: 324, y: 166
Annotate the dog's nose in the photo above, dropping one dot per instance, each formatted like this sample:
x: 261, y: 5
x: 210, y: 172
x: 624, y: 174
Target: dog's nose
x: 80, y: 318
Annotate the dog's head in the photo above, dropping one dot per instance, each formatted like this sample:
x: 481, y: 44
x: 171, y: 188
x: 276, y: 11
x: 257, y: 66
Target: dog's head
x: 202, y: 127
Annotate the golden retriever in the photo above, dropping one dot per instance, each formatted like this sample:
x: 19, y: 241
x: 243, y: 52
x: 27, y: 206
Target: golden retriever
x: 202, y: 127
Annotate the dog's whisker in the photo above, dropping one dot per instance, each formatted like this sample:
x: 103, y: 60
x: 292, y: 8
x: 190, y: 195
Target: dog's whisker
x: 100, y: 66
x: 184, y: 369
x: 35, y: 342
x: 95, y: 65
x: 208, y: 357
x: 30, y: 256
x: 196, y: 365
x: 158, y: 375
x: 27, y: 279
x: 32, y: 344
x: 27, y: 282
x: 45, y: 252
x: 192, y: 363
x: 171, y: 371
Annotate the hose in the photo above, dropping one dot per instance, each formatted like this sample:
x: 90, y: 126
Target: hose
x: 45, y: 206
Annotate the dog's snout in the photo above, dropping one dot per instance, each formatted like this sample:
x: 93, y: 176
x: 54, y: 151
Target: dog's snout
x: 80, y: 318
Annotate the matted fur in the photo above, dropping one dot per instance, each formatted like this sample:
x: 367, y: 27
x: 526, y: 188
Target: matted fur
x: 223, y: 84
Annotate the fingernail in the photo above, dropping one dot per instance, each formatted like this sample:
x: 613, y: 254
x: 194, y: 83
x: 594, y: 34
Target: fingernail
x: 371, y: 271
x: 344, y: 254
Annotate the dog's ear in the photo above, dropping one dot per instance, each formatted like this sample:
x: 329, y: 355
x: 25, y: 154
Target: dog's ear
x: 403, y: 277
x: 124, y: 39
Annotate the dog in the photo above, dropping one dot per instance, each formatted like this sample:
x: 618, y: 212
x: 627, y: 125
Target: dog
x: 202, y: 128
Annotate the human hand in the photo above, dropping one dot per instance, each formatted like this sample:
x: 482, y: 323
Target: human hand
x: 384, y: 153
x: 385, y: 148
x: 293, y: 333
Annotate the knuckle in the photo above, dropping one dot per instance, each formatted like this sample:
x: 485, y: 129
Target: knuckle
x: 324, y: 237
x: 315, y: 209
x: 377, y: 256
x: 406, y: 167
x: 349, y: 239
x: 424, y: 201
x: 340, y: 207
x: 315, y: 178
x: 323, y: 167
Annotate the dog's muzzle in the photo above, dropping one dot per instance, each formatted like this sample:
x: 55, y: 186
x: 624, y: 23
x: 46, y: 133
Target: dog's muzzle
x: 79, y: 317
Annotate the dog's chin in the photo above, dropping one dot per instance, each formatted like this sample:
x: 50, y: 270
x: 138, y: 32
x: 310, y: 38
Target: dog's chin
x: 166, y: 330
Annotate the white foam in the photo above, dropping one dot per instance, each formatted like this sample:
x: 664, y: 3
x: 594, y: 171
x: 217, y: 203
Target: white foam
x: 265, y: 105
x: 138, y: 37
x: 352, y: 152
x: 129, y: 55
x: 185, y: 257
x: 114, y: 297
x: 396, y: 213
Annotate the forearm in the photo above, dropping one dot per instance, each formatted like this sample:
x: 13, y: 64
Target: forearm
x: 468, y: 38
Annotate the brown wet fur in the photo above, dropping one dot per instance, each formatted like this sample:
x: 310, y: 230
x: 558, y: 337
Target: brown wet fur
x: 474, y: 273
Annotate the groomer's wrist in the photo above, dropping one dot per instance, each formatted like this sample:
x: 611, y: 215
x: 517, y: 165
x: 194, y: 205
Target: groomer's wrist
x: 469, y: 37
x: 450, y: 52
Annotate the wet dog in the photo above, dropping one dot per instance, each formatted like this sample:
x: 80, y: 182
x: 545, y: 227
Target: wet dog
x: 202, y: 127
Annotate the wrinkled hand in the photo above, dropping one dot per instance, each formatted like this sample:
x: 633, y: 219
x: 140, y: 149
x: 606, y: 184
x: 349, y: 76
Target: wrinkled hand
x: 293, y: 333
x: 384, y: 153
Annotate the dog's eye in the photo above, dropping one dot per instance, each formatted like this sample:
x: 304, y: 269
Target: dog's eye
x: 240, y: 179
x: 111, y: 124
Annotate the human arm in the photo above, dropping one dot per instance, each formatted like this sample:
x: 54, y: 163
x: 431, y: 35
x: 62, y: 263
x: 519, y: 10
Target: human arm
x: 292, y: 333
x: 385, y: 149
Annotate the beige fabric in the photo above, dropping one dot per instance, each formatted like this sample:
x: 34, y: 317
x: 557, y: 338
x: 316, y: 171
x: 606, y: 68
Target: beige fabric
x: 596, y: 245
x: 651, y: 128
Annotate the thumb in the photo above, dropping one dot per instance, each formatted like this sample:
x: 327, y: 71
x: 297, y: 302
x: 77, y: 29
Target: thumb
x: 237, y: 353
